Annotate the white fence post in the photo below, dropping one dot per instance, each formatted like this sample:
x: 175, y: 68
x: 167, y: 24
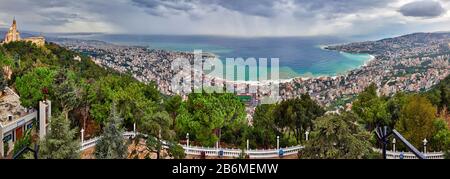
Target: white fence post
x: 278, y: 142
x: 271, y: 153
x: 82, y: 136
x: 425, y: 146
x: 248, y: 144
x: 187, y: 139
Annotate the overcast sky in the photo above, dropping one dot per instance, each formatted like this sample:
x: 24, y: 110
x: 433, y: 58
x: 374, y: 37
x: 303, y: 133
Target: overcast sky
x: 230, y: 17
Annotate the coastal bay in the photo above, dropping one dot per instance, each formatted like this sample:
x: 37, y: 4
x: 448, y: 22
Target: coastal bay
x: 298, y: 56
x: 389, y: 73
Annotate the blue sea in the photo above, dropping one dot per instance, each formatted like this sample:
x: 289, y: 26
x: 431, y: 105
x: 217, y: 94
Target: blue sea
x: 298, y: 56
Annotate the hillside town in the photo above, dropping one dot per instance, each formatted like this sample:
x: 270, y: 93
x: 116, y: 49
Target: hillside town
x: 407, y: 46
x: 411, y: 67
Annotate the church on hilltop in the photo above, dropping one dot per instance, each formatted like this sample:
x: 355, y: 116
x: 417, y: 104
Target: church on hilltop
x: 13, y: 35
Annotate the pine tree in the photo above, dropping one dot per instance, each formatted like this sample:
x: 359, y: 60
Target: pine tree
x: 372, y: 109
x: 67, y: 91
x: 60, y: 142
x: 176, y: 151
x: 111, y: 144
x: 337, y: 137
x: 157, y: 127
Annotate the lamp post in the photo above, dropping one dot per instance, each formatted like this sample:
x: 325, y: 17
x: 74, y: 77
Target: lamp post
x: 425, y: 146
x: 278, y: 142
x: 307, y: 135
x: 187, y: 139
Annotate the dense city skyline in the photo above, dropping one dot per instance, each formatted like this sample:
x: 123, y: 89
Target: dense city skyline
x: 244, y: 18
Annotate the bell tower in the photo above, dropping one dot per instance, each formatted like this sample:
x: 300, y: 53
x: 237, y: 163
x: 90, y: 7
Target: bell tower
x: 14, y: 25
x: 12, y: 35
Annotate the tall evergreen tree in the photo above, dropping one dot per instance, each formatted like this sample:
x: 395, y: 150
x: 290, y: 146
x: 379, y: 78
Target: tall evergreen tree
x: 209, y: 118
x: 171, y: 106
x: 157, y: 127
x: 297, y: 115
x: 372, y: 109
x: 67, y: 91
x: 60, y: 142
x: 337, y: 137
x: 111, y: 144
x: 264, y: 129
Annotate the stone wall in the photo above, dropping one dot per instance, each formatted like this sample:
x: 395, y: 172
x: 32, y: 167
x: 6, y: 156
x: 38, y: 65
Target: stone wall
x: 39, y: 41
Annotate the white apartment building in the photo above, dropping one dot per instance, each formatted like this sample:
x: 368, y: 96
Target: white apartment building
x: 15, y: 119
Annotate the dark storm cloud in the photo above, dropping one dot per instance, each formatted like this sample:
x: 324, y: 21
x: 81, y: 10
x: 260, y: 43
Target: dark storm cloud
x: 342, y: 6
x: 59, y: 18
x: 48, y: 12
x: 264, y: 8
x: 224, y: 17
x: 53, y: 3
x: 180, y: 5
x: 333, y: 9
x: 165, y: 7
x: 422, y: 9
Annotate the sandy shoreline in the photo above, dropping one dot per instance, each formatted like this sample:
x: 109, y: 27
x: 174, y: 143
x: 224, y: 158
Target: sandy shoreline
x: 302, y: 78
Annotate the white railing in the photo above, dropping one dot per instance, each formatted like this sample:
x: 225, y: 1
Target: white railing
x: 89, y: 143
x: 255, y: 153
x: 234, y: 153
x: 92, y: 142
x: 409, y: 155
x: 212, y: 152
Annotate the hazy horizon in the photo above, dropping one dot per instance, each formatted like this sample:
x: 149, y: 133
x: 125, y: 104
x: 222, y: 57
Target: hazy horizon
x: 350, y: 38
